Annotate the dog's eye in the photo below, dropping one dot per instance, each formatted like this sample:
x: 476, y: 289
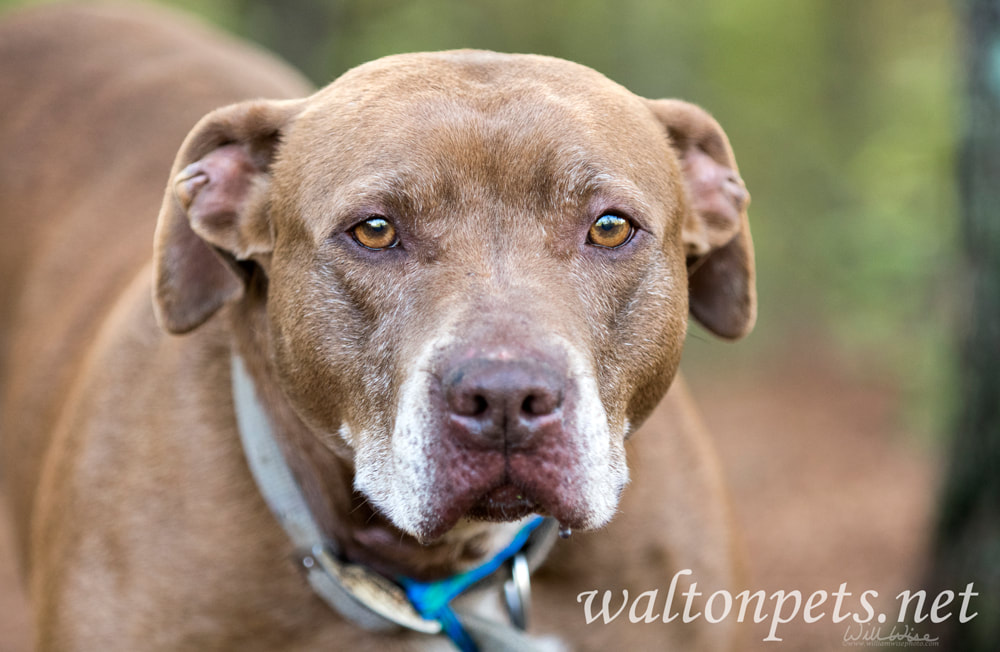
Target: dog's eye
x: 610, y: 231
x: 375, y: 233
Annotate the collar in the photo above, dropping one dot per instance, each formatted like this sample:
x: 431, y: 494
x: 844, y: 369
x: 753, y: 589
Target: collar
x: 361, y: 595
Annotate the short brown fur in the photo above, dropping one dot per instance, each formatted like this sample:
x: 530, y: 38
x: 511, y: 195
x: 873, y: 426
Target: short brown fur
x: 139, y: 526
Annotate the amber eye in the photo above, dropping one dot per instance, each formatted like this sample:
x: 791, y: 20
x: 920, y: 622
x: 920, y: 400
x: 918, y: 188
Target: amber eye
x: 610, y: 231
x: 375, y: 233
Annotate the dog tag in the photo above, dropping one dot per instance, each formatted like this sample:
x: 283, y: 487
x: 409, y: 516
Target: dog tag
x: 517, y: 591
x: 354, y: 586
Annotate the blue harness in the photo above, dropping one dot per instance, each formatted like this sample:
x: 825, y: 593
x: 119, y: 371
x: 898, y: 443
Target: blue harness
x: 432, y: 600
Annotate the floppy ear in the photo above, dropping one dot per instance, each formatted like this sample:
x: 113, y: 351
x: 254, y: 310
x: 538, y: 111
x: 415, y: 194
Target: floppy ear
x: 214, y: 213
x: 723, y: 295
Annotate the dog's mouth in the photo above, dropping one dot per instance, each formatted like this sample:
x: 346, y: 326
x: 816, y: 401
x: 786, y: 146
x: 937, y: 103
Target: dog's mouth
x: 505, y: 502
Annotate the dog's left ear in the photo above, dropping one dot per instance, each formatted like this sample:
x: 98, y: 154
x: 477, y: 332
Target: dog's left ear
x: 723, y: 295
x: 215, y: 211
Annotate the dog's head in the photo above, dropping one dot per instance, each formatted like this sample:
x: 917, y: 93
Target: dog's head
x: 476, y: 271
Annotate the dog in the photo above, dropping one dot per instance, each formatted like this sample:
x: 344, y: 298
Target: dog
x: 446, y: 289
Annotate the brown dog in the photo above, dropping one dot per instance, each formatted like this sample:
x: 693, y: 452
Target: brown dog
x: 458, y: 283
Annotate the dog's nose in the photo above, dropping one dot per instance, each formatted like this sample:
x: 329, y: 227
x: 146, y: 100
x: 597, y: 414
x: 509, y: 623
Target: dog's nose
x: 503, y: 403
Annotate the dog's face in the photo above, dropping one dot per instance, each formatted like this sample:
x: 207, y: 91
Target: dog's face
x: 477, y: 271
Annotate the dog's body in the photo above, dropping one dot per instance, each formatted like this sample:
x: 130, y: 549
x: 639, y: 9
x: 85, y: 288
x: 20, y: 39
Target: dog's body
x: 139, y: 525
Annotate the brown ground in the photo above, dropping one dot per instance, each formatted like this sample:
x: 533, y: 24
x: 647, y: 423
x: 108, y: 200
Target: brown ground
x: 825, y: 485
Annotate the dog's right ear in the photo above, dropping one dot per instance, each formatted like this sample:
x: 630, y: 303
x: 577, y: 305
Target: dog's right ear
x: 215, y: 211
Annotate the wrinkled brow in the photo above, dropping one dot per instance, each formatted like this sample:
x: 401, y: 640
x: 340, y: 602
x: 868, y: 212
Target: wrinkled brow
x: 549, y: 184
x: 542, y: 185
x: 403, y: 193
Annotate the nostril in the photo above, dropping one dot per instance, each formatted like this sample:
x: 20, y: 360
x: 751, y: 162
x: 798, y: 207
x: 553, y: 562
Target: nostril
x: 528, y: 406
x: 468, y: 404
x: 479, y: 405
x: 540, y: 403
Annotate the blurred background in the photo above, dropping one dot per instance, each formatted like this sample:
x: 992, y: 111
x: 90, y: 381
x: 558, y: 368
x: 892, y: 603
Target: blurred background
x: 834, y: 418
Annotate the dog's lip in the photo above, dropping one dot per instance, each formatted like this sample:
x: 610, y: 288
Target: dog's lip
x: 504, y: 502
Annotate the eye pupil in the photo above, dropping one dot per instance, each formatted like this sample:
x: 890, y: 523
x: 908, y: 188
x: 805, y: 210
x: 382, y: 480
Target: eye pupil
x: 375, y: 233
x: 610, y: 231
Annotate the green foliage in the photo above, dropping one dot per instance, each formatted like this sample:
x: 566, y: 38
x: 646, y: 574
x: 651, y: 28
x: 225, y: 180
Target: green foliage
x: 841, y: 114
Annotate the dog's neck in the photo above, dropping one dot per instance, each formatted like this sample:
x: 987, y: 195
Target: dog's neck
x: 361, y: 533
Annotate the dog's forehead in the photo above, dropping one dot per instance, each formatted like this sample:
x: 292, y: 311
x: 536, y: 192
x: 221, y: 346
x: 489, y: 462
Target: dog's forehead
x: 409, y: 99
x: 489, y: 77
x: 526, y: 128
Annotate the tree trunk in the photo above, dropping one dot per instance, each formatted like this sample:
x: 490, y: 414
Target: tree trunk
x: 968, y: 536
